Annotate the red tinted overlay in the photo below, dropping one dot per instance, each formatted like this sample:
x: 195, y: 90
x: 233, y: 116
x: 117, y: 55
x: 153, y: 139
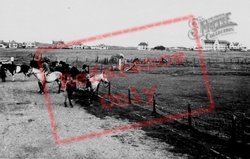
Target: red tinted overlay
x: 147, y: 91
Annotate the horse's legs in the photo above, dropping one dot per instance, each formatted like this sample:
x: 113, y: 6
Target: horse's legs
x: 41, y: 87
x: 70, y: 101
x: 24, y: 76
x: 13, y: 77
x: 90, y: 97
x: 65, y: 99
x: 59, y: 85
x: 3, y: 79
x: 68, y: 95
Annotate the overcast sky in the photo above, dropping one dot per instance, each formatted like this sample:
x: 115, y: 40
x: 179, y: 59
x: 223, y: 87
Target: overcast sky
x: 69, y: 20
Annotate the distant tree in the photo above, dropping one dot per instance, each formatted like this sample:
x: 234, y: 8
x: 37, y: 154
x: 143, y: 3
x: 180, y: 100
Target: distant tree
x: 159, y: 48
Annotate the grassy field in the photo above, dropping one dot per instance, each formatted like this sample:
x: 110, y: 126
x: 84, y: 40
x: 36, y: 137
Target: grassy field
x: 176, y: 87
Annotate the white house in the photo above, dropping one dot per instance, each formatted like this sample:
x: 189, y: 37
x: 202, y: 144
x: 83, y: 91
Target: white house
x: 99, y: 47
x: 214, y: 44
x: 235, y: 46
x: 13, y: 44
x: 78, y: 46
x: 142, y: 46
x: 29, y: 44
x: 3, y: 44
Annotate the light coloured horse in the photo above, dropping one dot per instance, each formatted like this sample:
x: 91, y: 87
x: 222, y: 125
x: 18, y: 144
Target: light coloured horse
x: 42, y: 79
x: 95, y: 81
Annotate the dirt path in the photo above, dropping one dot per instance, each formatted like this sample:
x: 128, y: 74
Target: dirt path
x: 25, y: 129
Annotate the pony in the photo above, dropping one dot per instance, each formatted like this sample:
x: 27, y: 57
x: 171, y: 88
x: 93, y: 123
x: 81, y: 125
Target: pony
x: 42, y: 79
x: 13, y: 69
x: 72, y: 86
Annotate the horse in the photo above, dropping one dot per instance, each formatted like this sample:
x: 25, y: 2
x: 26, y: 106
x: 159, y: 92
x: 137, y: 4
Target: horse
x: 74, y: 85
x: 13, y: 69
x: 42, y: 79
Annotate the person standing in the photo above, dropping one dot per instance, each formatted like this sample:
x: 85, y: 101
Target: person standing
x: 86, y: 73
x: 2, y: 72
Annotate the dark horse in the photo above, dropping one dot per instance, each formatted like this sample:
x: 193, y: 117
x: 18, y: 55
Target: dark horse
x: 13, y: 69
x: 81, y: 80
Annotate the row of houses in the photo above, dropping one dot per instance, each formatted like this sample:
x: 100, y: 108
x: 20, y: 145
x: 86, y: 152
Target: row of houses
x: 208, y: 45
x: 216, y: 45
x: 14, y: 44
x: 220, y: 45
x: 54, y: 45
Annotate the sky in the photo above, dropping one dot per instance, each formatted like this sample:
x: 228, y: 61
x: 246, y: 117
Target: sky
x: 71, y: 20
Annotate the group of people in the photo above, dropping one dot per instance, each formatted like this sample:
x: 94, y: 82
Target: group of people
x: 47, y: 70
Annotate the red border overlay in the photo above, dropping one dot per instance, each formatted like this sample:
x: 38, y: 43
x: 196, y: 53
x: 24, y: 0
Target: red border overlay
x: 140, y: 124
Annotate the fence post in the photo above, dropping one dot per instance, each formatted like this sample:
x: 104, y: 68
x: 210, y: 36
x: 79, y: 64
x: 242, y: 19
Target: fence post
x: 101, y: 68
x: 129, y: 98
x: 109, y: 87
x: 189, y: 116
x: 233, y: 130
x: 154, y: 109
x: 97, y: 59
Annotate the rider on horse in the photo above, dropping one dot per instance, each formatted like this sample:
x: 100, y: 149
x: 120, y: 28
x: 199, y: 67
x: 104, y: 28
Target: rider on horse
x: 46, y: 69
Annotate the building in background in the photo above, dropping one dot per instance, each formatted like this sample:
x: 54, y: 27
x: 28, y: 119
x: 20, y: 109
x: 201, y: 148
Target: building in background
x: 235, y: 46
x: 13, y: 44
x: 57, y: 44
x: 214, y: 44
x: 78, y: 46
x: 3, y: 44
x: 29, y: 44
x: 142, y: 46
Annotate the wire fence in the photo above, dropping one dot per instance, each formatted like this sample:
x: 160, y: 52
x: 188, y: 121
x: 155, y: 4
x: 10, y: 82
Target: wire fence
x: 224, y: 126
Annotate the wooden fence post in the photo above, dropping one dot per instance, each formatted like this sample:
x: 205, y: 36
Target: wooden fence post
x: 233, y: 130
x: 154, y: 109
x: 97, y: 59
x: 101, y: 68
x: 189, y: 116
x: 129, y: 98
x: 109, y: 88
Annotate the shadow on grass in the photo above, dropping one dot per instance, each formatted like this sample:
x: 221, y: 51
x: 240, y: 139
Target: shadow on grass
x: 186, y: 140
